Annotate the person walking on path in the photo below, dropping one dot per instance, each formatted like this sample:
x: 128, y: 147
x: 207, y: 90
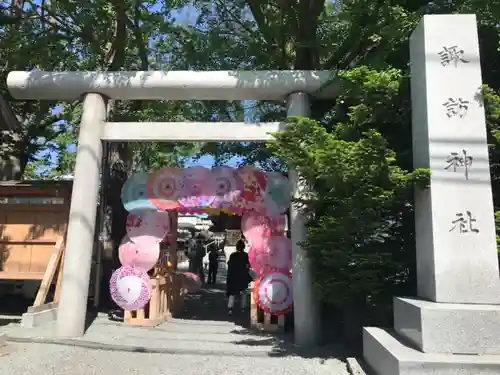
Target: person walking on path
x: 238, y: 276
x: 213, y: 265
x: 198, y: 252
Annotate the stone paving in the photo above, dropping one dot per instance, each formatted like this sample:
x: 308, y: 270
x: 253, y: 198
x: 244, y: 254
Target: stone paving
x: 204, y: 342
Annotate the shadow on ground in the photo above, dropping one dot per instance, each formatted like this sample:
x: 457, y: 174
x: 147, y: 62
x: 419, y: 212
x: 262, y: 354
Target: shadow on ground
x: 206, y: 306
x: 13, y: 306
x: 210, y: 304
x: 283, y: 346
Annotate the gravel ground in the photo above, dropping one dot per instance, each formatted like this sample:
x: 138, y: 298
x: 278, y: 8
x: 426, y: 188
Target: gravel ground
x: 178, y: 347
x: 204, y: 342
x: 44, y: 359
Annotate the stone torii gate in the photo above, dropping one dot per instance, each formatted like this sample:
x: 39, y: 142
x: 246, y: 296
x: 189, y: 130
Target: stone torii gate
x: 453, y: 326
x: 95, y: 88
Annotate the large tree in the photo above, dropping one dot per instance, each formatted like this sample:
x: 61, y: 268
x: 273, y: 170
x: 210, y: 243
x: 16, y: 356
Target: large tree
x: 92, y: 35
x: 356, y: 156
x: 366, y: 130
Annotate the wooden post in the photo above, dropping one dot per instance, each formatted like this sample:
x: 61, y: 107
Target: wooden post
x: 50, y: 271
x: 263, y: 321
x: 59, y: 280
x: 157, y: 309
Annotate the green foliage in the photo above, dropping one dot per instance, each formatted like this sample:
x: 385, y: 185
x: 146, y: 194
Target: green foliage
x: 359, y: 198
x: 357, y: 166
x: 491, y: 99
x: 356, y: 158
x: 104, y: 34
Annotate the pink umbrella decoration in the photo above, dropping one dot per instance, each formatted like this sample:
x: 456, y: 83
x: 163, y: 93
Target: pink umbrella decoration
x: 257, y: 227
x: 127, y: 252
x: 130, y: 254
x: 147, y: 229
x: 254, y: 186
x: 164, y: 188
x: 273, y: 293
x: 259, y: 259
x: 280, y: 253
x: 130, y: 288
x: 274, y: 255
x: 277, y: 225
x: 191, y: 282
x: 199, y: 187
x: 228, y: 187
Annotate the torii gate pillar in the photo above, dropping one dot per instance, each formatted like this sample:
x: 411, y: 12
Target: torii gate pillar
x: 305, y: 305
x: 72, y: 309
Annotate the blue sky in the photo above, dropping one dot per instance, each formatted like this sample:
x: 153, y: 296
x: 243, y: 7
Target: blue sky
x: 186, y: 16
x: 208, y: 161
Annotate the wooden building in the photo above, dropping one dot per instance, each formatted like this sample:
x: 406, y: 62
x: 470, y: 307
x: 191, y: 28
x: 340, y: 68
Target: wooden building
x: 33, y: 216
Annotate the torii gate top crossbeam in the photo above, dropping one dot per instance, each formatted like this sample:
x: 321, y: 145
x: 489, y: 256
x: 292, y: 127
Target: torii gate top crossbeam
x: 174, y: 85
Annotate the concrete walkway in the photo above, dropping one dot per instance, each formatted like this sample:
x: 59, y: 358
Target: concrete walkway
x: 179, y: 347
x: 204, y: 342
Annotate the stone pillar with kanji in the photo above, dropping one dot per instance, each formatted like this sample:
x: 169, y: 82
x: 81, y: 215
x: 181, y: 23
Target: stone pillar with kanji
x: 453, y: 324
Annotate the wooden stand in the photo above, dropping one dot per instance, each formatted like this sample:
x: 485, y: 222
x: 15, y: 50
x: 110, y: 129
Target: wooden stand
x: 166, y: 298
x: 176, y: 295
x: 55, y: 264
x: 156, y: 311
x: 263, y: 321
x: 33, y: 217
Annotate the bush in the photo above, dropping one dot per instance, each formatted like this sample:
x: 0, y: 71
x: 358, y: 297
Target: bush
x: 358, y: 209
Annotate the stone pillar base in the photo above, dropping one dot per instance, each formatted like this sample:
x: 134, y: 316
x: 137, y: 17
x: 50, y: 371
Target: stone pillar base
x: 436, y: 338
x: 4, y: 348
x: 32, y: 319
x: 387, y: 355
x: 452, y: 328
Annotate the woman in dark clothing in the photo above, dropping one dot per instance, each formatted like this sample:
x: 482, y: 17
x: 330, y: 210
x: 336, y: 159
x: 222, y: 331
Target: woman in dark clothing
x: 238, y: 276
x: 198, y: 252
x: 213, y: 265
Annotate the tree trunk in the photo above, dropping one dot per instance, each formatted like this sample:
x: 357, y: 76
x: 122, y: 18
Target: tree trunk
x: 353, y: 322
x: 120, y: 158
x: 10, y: 168
x: 119, y: 167
x: 118, y: 162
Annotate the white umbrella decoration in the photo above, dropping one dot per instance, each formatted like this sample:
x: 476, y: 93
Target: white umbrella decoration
x: 273, y: 293
x: 130, y: 288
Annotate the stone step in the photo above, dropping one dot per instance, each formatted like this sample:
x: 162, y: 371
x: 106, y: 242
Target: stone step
x: 171, y: 330
x: 178, y: 336
x: 4, y: 348
x: 387, y: 355
x: 178, y: 345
